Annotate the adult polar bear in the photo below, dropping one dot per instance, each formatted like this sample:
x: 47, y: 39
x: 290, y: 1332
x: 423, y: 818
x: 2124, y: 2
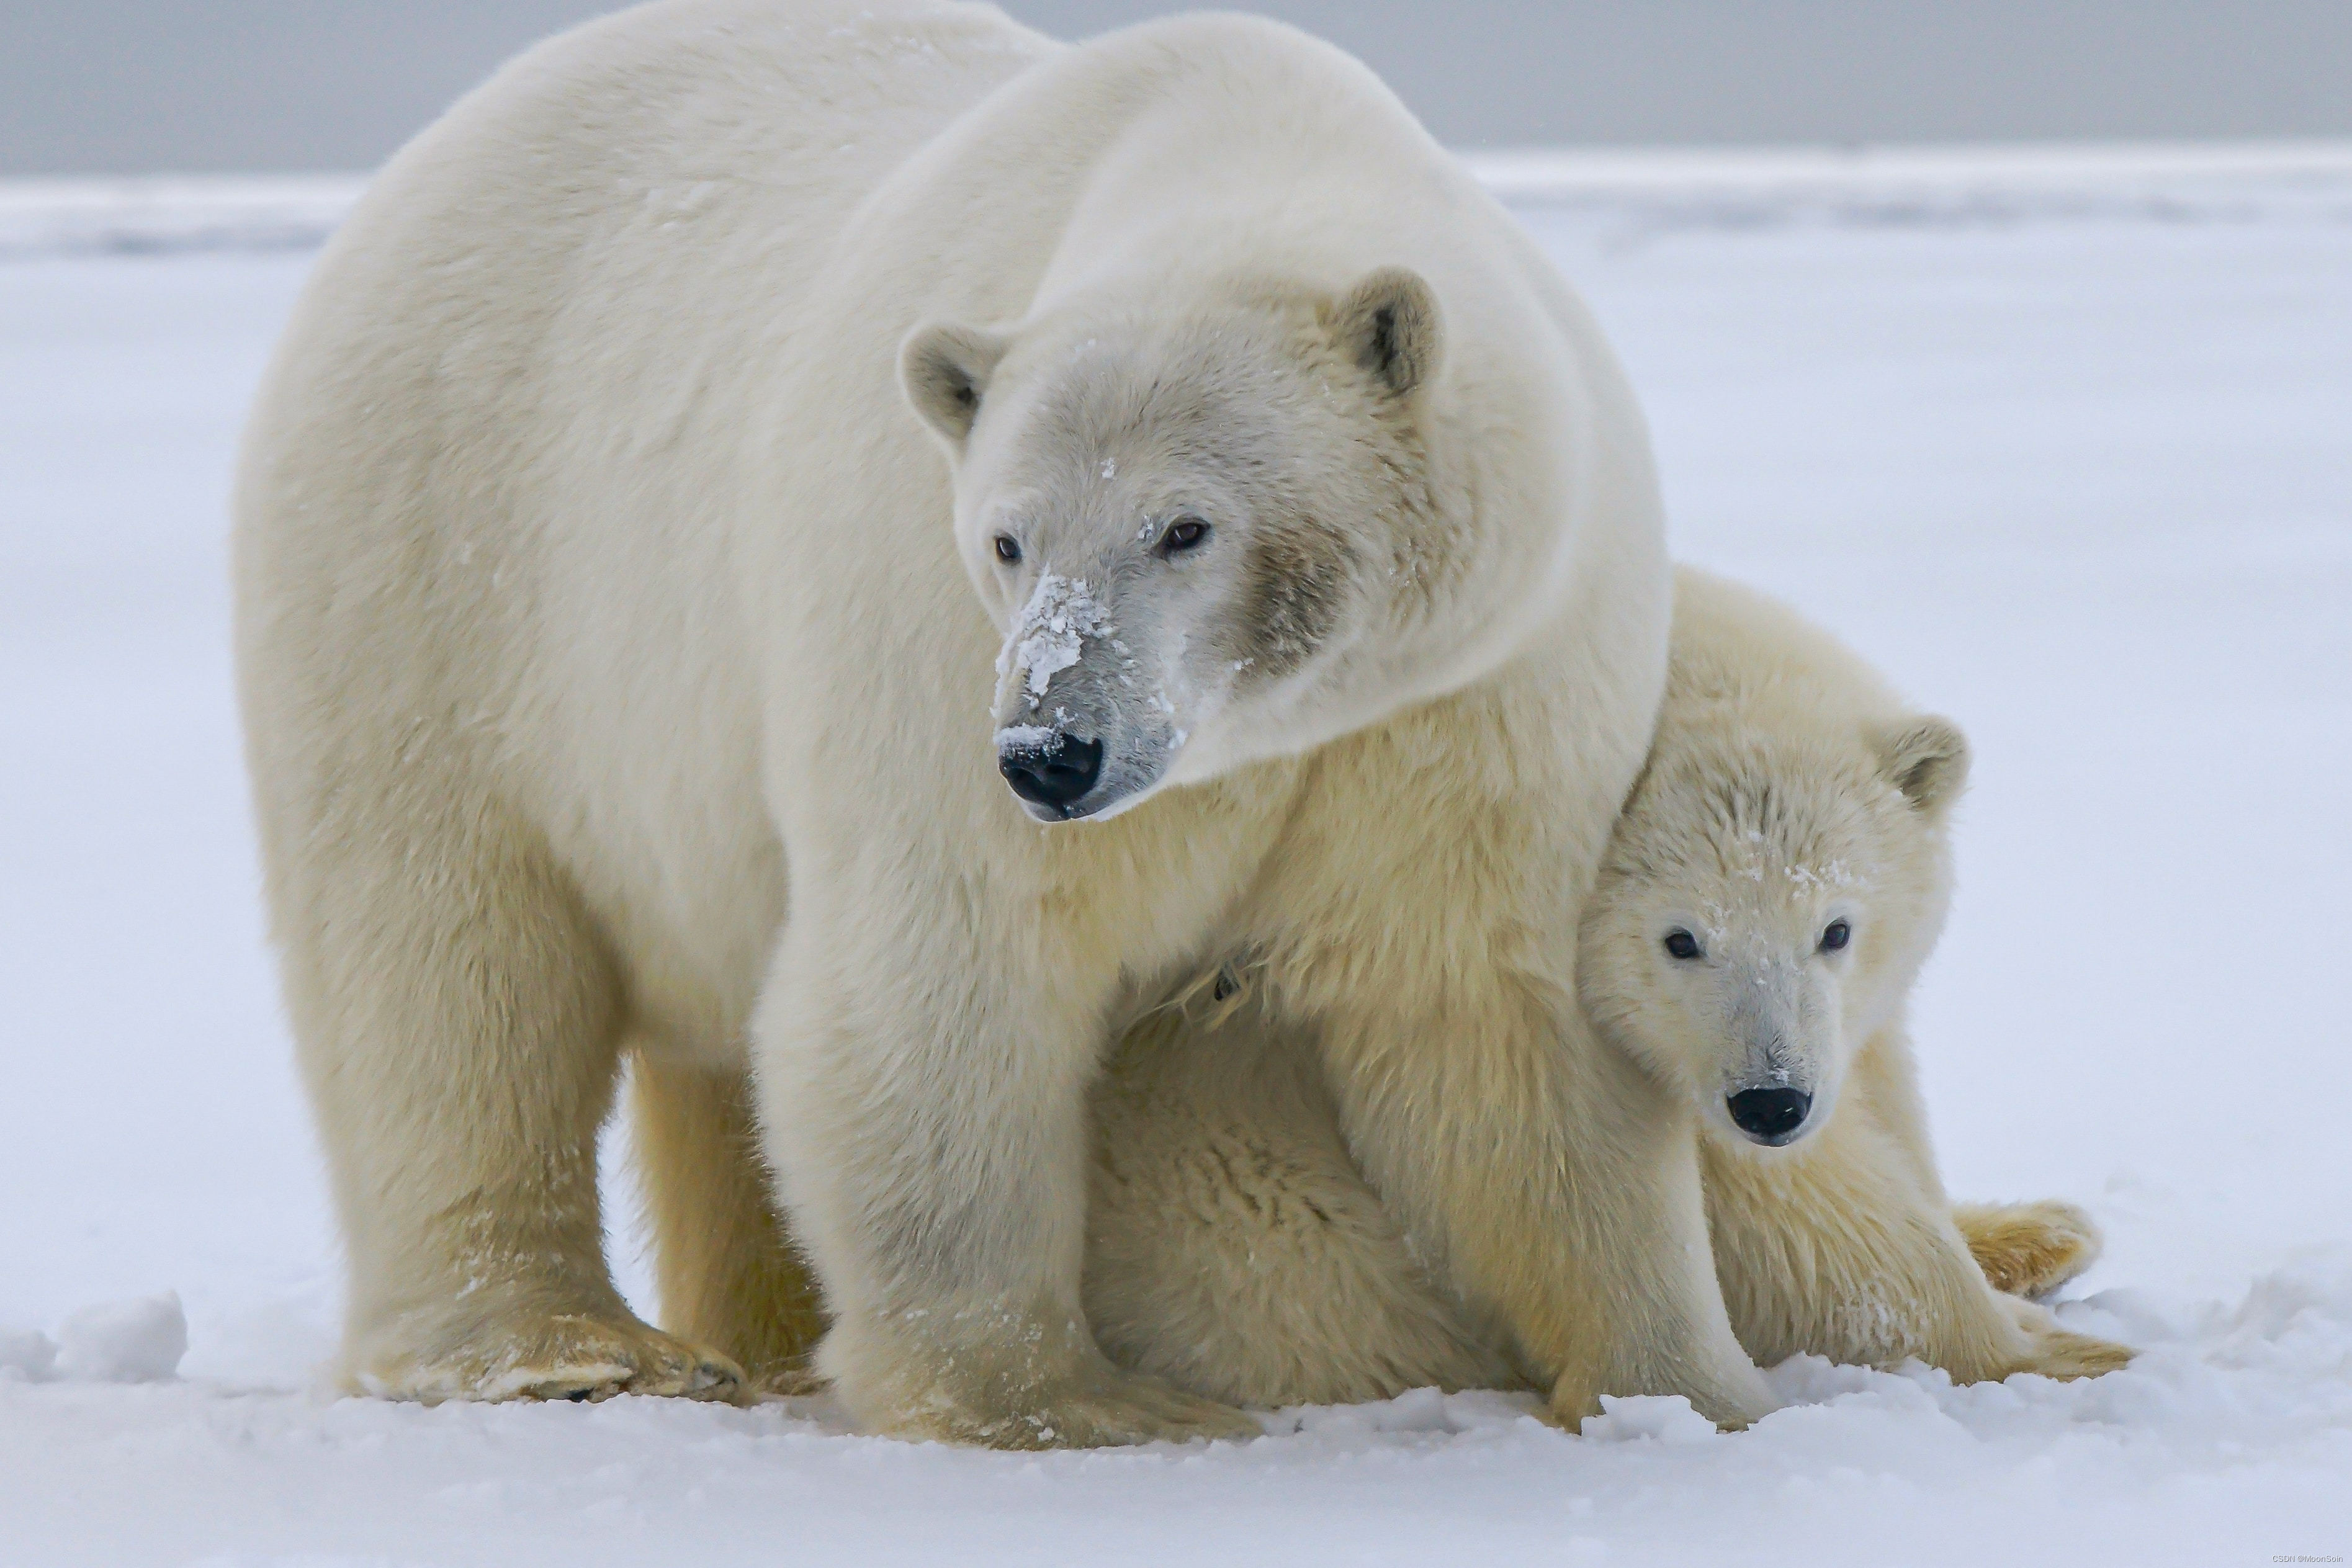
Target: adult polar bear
x: 595, y: 584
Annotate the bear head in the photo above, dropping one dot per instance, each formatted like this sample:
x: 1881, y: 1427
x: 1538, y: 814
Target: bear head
x: 1767, y: 898
x: 1189, y: 516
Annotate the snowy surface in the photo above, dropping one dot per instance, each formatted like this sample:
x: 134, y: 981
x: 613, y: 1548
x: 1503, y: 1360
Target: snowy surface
x: 2065, y: 445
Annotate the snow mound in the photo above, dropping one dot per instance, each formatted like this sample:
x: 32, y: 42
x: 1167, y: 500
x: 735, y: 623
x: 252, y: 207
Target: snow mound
x: 29, y: 1356
x: 137, y: 1341
x: 1653, y: 1417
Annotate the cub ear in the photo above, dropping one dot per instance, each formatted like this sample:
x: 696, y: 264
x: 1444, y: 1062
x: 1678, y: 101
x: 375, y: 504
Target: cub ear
x: 1926, y: 757
x: 1387, y: 324
x: 944, y: 370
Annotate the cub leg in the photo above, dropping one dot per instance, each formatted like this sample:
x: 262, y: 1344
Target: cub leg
x: 1842, y: 1247
x: 2024, y: 1248
x: 923, y: 1093
x: 729, y: 1274
x: 456, y: 1025
x: 2028, y: 1248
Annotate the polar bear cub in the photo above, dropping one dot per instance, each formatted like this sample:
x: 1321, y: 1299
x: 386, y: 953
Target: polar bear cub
x: 1778, y: 876
x: 1775, y: 881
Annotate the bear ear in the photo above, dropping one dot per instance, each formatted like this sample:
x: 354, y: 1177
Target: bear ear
x: 1387, y: 324
x: 945, y: 370
x: 1926, y: 757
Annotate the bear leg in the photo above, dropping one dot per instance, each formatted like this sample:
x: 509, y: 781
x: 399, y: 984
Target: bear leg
x: 730, y: 1275
x: 457, y: 1023
x: 1559, y: 1182
x: 924, y: 1102
x: 1840, y: 1247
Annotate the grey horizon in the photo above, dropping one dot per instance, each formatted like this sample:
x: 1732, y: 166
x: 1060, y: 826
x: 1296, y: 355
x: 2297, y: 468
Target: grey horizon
x: 126, y: 87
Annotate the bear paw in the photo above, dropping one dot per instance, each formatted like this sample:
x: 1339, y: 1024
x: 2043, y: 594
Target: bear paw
x: 1125, y: 1409
x: 2054, y: 1352
x: 1104, y: 1409
x: 563, y: 1355
x: 792, y: 1379
x: 2028, y: 1248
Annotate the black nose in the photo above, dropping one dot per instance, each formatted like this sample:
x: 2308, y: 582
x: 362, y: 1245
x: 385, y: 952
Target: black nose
x: 1053, y: 774
x: 1769, y: 1116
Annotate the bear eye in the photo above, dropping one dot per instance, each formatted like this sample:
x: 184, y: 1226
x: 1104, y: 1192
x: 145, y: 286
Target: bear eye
x: 1008, y: 548
x: 1183, y: 534
x: 1836, y: 936
x: 1682, y: 945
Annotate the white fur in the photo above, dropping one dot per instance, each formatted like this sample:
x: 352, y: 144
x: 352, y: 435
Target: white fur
x: 1236, y: 1250
x: 601, y: 598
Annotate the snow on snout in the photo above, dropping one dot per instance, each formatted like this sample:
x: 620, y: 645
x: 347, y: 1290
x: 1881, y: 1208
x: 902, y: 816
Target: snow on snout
x: 1050, y: 632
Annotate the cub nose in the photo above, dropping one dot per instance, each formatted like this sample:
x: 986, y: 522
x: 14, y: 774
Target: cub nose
x: 1769, y: 1115
x: 1052, y: 773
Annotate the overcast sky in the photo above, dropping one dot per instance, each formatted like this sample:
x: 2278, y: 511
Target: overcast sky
x: 146, y: 86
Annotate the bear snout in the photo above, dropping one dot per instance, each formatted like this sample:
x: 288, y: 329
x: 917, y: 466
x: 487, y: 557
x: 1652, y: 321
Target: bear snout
x: 1049, y: 768
x: 1769, y: 1116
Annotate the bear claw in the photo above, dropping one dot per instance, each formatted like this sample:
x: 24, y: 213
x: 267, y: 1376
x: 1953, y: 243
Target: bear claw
x: 566, y: 1357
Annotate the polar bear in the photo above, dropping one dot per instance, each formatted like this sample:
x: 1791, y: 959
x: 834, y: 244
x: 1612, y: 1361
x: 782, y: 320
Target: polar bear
x: 837, y: 551
x: 1776, y: 880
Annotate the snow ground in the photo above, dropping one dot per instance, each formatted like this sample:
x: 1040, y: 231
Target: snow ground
x: 2067, y: 448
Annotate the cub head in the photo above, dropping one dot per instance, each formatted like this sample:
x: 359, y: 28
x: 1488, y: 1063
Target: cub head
x: 1765, y: 906
x: 1190, y: 520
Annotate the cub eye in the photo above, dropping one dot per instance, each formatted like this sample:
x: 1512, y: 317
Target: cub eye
x: 1838, y: 935
x: 1008, y: 550
x: 1682, y: 945
x: 1183, y: 534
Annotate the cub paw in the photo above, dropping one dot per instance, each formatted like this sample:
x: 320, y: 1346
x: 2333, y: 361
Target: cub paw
x: 563, y: 1355
x: 2028, y: 1248
x: 2054, y: 1352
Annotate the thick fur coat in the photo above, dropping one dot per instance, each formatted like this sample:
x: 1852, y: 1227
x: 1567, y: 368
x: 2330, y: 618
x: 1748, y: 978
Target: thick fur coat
x: 1780, y: 873
x: 733, y: 492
